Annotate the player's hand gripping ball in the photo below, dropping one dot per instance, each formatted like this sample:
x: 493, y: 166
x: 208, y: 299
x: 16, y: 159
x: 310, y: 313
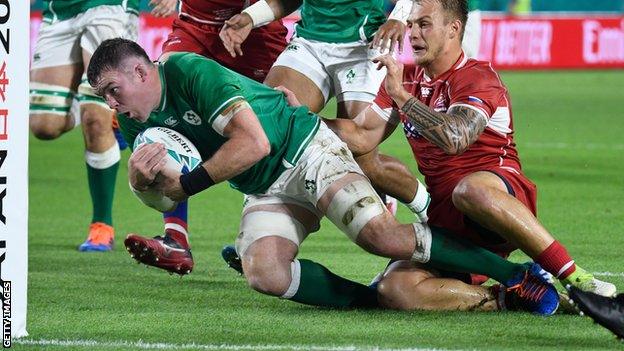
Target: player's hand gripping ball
x: 182, y: 156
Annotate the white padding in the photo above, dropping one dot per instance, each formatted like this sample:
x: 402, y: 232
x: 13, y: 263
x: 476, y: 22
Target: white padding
x: 353, y: 206
x: 86, y: 95
x: 260, y: 13
x: 259, y: 224
x: 295, y: 279
x: 401, y: 11
x: 50, y: 97
x: 422, y: 253
x: 420, y: 203
x: 105, y: 159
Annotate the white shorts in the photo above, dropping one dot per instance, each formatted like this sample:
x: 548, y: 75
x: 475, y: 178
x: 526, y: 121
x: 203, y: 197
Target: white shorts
x: 61, y: 43
x: 325, y: 160
x: 343, y: 70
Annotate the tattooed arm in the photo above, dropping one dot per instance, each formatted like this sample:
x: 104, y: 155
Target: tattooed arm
x: 453, y: 131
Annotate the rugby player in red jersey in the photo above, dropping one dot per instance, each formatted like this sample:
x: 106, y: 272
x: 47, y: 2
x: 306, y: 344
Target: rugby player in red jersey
x: 457, y: 116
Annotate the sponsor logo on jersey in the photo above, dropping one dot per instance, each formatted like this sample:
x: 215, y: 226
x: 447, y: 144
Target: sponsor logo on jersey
x: 170, y: 121
x: 425, y: 91
x: 292, y: 47
x: 310, y: 186
x: 191, y: 118
x: 440, y: 104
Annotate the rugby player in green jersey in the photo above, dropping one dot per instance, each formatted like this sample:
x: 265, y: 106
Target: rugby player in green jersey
x: 330, y: 56
x: 292, y: 169
x: 70, y: 32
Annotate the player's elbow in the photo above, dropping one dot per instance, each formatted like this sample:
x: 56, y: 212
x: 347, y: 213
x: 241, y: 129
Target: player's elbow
x: 262, y: 147
x: 454, y: 150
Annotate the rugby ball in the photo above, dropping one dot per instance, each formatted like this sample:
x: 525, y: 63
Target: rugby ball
x: 182, y: 156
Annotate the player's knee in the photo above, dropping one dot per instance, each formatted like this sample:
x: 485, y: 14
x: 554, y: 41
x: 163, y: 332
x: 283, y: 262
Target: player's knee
x: 267, y: 278
x: 376, y: 236
x: 96, y: 121
x: 43, y: 130
x: 400, y: 290
x: 468, y: 194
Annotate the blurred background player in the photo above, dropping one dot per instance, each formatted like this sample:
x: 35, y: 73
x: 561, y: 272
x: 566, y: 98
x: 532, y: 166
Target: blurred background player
x: 472, y: 32
x: 197, y: 30
x: 70, y: 32
x: 330, y: 56
x: 457, y: 119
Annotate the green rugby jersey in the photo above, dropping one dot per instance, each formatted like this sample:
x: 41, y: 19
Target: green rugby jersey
x: 58, y: 10
x: 340, y: 21
x: 473, y: 5
x: 195, y: 90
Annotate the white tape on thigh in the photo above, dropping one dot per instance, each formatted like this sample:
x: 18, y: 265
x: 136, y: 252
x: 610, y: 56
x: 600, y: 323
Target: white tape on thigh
x: 49, y: 98
x: 353, y: 206
x: 87, y: 95
x: 258, y: 224
x: 422, y: 253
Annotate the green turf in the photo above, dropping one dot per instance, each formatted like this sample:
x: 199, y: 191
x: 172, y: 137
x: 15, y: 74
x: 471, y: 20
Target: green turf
x: 568, y: 130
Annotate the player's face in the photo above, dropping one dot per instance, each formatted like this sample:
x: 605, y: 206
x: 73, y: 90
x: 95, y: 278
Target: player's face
x: 126, y: 92
x: 428, y: 31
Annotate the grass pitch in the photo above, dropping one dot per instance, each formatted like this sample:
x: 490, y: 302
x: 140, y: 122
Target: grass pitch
x: 569, y: 128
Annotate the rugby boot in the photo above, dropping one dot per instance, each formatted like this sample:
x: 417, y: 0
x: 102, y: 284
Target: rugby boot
x: 161, y: 252
x: 606, y: 311
x: 586, y: 281
x: 101, y: 238
x: 532, y: 291
x: 230, y: 256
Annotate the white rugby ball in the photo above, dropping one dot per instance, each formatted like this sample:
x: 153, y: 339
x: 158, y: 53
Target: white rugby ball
x: 182, y: 156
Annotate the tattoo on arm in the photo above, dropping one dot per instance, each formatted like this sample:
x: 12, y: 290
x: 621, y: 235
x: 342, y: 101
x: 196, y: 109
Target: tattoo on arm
x: 453, y: 131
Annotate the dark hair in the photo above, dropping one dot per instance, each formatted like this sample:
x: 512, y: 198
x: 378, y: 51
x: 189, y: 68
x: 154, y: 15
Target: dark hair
x: 454, y: 9
x: 110, y: 55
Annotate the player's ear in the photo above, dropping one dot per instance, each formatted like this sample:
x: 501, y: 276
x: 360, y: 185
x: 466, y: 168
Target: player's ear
x: 140, y: 70
x: 455, y: 28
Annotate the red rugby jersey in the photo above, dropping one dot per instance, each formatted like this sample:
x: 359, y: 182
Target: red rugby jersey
x: 217, y: 11
x: 470, y: 83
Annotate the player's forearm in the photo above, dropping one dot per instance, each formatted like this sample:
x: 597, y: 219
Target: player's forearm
x: 236, y: 156
x: 453, y: 132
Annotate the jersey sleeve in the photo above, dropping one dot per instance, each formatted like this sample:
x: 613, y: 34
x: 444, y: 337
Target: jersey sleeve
x: 383, y: 105
x: 214, y: 89
x: 478, y: 88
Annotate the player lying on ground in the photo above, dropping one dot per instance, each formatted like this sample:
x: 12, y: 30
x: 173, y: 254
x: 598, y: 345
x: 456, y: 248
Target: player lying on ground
x: 293, y: 170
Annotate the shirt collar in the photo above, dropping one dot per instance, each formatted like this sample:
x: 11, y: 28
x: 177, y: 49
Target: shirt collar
x: 163, y: 88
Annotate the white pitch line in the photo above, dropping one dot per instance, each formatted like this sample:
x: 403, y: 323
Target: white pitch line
x: 609, y: 274
x: 577, y: 146
x: 193, y: 346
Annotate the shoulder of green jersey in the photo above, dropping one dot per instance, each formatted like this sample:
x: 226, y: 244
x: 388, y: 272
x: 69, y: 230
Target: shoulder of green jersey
x: 223, y: 106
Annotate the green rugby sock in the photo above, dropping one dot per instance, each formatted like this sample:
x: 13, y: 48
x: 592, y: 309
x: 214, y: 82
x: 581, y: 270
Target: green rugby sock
x: 102, y: 175
x: 320, y: 287
x: 452, y: 253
